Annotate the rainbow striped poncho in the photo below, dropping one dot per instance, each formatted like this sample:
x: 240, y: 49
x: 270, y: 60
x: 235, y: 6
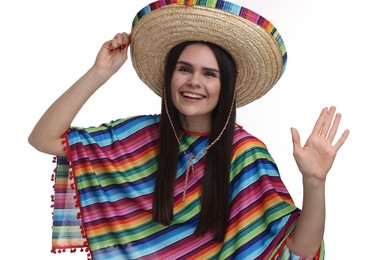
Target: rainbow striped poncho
x: 104, y: 188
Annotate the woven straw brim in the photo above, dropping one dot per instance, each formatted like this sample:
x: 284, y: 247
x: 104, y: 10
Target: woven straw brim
x: 256, y: 53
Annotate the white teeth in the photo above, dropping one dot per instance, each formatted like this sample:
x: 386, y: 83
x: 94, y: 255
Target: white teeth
x: 192, y: 95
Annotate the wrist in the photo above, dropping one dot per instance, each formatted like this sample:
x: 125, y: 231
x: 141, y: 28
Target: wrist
x: 100, y: 74
x: 313, y: 182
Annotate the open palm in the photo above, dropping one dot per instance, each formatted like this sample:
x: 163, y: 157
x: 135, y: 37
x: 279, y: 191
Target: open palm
x: 316, y: 157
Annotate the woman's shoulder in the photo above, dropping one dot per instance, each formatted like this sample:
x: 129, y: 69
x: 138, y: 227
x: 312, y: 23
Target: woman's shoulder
x: 121, y: 123
x: 249, y: 152
x: 243, y: 137
x: 140, y: 126
x: 135, y: 120
x: 120, y: 128
x: 246, y: 145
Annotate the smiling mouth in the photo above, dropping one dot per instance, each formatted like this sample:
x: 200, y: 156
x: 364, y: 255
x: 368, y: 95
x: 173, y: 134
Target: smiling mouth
x: 192, y: 95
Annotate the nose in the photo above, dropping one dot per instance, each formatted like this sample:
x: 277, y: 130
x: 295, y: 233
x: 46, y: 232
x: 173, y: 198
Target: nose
x: 194, y: 80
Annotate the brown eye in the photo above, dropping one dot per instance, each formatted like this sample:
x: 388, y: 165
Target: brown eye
x: 210, y: 74
x: 184, y: 69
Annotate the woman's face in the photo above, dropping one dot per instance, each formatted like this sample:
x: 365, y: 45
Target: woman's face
x: 195, y: 86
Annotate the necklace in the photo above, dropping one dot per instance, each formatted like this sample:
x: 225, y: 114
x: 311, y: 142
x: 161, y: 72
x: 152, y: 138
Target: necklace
x: 191, y: 157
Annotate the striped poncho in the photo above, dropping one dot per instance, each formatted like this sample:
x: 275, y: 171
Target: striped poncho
x: 104, y: 188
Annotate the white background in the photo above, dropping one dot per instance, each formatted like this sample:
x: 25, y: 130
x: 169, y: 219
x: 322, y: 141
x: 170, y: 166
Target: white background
x: 338, y: 55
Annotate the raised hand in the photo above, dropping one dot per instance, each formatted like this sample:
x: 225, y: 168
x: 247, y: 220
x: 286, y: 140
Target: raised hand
x: 46, y: 135
x: 113, y: 54
x: 316, y: 157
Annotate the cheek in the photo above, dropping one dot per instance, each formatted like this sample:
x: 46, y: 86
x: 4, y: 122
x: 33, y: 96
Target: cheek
x: 214, y: 91
x: 174, y: 85
x: 176, y: 82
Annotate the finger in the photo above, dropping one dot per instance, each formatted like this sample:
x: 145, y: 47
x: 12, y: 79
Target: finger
x: 296, y: 139
x: 320, y: 121
x: 328, y: 121
x: 119, y: 37
x: 341, y: 140
x: 334, y: 128
x: 107, y: 45
x: 122, y: 40
x: 116, y: 42
x: 125, y: 40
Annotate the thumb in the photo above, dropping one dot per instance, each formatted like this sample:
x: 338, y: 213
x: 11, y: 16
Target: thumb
x: 296, y: 139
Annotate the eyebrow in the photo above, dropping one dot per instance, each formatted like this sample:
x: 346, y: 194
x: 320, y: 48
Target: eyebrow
x: 189, y: 65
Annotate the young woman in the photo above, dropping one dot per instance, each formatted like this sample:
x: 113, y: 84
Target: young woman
x: 188, y: 183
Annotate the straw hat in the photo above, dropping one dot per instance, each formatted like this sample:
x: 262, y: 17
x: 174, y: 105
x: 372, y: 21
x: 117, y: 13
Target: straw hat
x: 255, y: 45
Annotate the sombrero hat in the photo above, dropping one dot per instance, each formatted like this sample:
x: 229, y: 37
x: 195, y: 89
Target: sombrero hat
x: 255, y: 45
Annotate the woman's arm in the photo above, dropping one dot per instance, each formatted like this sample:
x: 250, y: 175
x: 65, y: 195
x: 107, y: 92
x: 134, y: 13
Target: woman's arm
x: 46, y: 135
x: 314, y: 160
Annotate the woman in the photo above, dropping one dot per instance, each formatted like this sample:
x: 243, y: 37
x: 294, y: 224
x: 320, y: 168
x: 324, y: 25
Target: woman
x: 189, y: 183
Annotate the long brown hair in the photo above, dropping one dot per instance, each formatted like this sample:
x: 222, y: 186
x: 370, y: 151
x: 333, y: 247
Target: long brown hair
x: 215, y: 210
